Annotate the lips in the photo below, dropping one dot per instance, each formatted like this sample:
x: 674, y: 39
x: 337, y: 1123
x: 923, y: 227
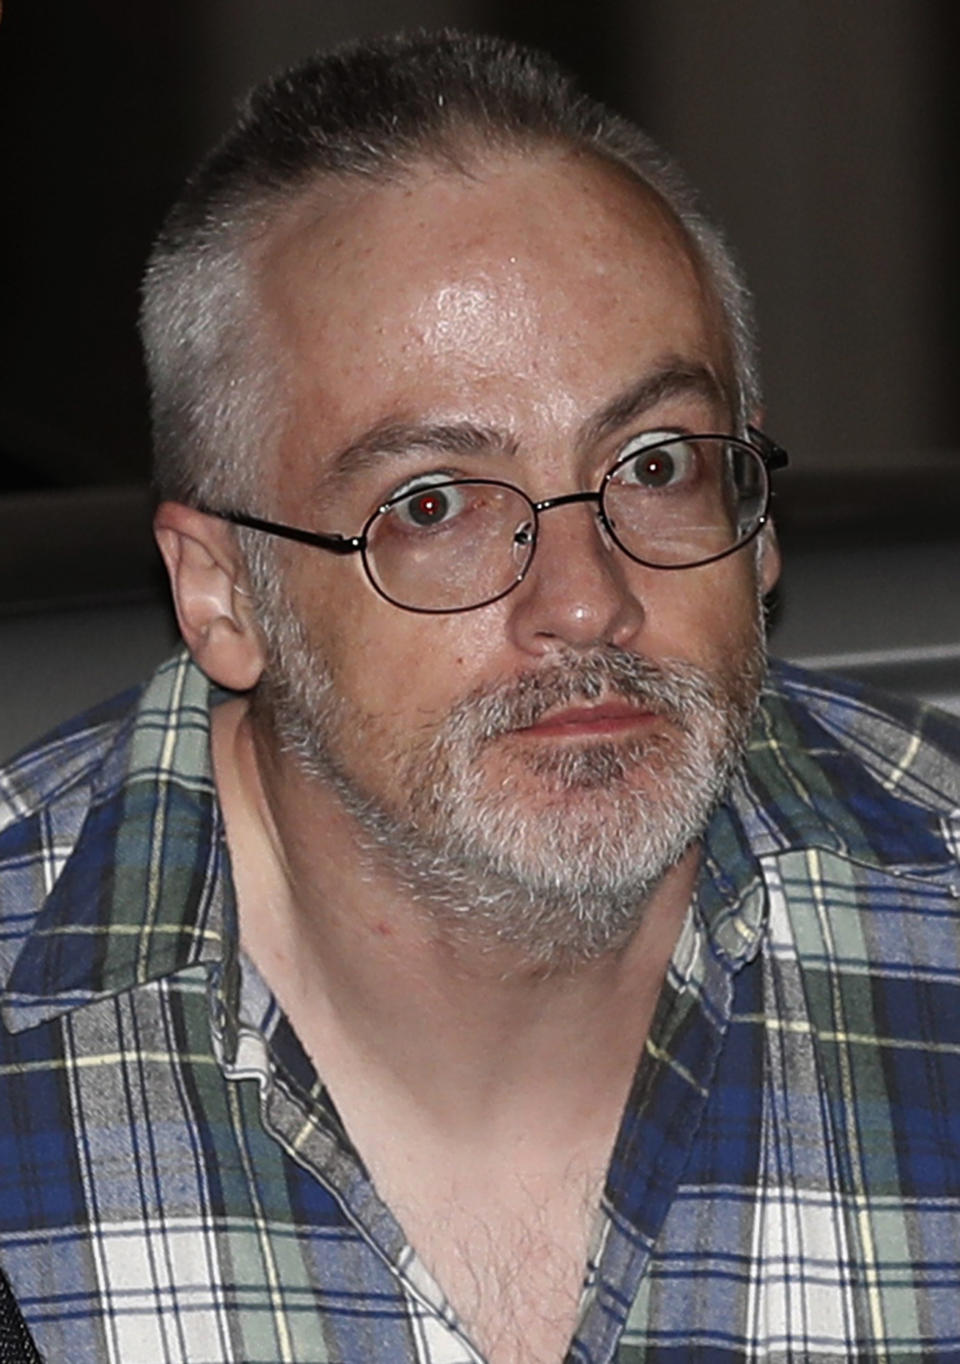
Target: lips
x: 608, y: 718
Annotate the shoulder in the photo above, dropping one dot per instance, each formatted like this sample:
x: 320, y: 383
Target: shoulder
x: 832, y: 764
x: 136, y: 734
x: 48, y: 794
x: 67, y: 759
x: 907, y: 745
x: 96, y: 772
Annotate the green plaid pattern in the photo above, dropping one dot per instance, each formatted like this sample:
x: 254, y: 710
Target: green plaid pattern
x: 175, y: 1182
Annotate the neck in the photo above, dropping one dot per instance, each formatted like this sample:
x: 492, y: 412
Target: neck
x: 368, y: 973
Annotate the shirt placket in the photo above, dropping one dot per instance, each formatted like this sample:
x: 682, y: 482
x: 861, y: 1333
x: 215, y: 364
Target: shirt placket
x: 254, y: 1041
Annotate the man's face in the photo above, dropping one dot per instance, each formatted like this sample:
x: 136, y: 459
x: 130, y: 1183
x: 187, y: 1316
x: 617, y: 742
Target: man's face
x: 560, y: 747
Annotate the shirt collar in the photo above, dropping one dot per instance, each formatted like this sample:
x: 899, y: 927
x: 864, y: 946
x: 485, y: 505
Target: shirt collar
x: 829, y: 766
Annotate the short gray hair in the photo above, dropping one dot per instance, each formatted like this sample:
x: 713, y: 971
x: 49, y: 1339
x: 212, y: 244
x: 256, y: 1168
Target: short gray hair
x: 371, y: 110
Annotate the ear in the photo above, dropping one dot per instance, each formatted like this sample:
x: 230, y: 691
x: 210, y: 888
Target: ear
x: 768, y: 558
x: 210, y: 595
x: 768, y: 550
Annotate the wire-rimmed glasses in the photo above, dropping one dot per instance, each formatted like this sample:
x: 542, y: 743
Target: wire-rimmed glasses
x: 455, y: 544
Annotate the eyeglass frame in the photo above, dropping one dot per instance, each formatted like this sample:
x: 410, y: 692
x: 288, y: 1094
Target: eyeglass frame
x: 771, y: 455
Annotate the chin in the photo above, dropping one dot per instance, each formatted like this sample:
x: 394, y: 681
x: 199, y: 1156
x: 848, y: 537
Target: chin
x: 586, y: 818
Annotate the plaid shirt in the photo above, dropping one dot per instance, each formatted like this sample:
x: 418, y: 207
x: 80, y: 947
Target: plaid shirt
x: 176, y: 1185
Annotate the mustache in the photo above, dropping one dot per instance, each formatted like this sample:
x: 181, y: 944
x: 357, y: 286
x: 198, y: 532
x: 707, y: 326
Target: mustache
x: 673, y: 688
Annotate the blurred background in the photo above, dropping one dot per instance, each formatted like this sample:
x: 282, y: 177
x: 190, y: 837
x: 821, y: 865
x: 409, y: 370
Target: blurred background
x: 823, y: 138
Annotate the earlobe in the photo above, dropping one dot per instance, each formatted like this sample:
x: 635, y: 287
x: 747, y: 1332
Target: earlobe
x: 213, y: 609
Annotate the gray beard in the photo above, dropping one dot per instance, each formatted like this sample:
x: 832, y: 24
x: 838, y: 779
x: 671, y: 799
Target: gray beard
x: 562, y: 877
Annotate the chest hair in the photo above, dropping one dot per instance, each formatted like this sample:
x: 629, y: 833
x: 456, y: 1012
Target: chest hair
x: 510, y: 1260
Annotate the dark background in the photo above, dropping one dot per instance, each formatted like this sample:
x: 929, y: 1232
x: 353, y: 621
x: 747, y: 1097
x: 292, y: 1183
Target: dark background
x: 822, y: 134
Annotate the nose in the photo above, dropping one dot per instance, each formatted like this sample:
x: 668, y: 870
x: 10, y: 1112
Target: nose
x: 578, y: 591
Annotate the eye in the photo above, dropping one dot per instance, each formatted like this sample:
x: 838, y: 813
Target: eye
x: 657, y: 459
x: 432, y: 501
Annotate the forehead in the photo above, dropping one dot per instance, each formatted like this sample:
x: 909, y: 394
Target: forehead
x: 516, y: 295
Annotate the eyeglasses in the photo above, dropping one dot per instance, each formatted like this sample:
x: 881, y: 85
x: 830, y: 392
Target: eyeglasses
x: 456, y: 544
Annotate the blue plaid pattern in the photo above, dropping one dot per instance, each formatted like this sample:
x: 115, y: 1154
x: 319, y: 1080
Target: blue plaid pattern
x: 176, y: 1185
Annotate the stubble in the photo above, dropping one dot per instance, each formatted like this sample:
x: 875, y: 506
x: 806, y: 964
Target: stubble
x: 552, y: 848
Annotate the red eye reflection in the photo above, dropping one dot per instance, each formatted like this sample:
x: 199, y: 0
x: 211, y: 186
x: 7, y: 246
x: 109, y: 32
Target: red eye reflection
x: 656, y: 469
x: 427, y: 508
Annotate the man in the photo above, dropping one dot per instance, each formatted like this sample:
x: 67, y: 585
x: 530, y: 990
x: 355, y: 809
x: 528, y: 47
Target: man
x: 465, y: 951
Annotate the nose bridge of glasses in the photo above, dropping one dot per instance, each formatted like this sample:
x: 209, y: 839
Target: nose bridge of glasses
x: 596, y: 495
x: 565, y: 500
x: 572, y: 499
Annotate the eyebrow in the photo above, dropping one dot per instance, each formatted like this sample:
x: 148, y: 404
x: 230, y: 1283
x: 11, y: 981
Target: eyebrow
x: 670, y: 379
x: 401, y: 438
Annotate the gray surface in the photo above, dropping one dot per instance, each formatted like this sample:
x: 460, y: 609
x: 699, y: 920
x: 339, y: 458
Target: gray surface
x: 889, y: 615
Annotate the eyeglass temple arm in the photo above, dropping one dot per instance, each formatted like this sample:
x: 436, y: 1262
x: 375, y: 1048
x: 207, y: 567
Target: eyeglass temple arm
x: 773, y: 455
x: 337, y: 544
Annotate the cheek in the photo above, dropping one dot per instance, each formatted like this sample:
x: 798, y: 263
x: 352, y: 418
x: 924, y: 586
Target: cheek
x: 395, y: 665
x: 706, y: 615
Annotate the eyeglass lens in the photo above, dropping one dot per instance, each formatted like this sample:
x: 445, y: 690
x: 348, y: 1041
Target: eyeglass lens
x: 451, y: 545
